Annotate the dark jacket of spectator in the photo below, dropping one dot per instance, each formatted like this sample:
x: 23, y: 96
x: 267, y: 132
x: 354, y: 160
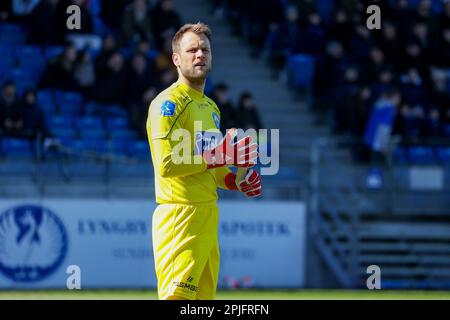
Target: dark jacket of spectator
x: 42, y: 23
x: 247, y: 115
x: 136, y: 22
x: 12, y: 114
x: 165, y: 20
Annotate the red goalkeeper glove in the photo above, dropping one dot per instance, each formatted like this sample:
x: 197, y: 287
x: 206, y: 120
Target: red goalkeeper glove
x: 250, y: 184
x: 240, y: 154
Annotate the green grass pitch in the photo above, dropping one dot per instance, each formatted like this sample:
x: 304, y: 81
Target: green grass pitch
x: 305, y: 294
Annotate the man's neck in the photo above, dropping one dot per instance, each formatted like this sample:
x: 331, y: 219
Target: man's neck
x: 199, y: 86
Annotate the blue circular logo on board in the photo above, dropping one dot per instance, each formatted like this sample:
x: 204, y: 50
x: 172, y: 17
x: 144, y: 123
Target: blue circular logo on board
x: 33, y: 243
x: 216, y: 120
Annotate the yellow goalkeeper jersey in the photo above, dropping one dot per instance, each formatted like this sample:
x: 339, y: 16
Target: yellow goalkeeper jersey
x: 181, y: 123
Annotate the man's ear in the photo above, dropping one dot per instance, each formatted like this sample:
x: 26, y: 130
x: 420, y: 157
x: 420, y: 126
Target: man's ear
x: 176, y: 59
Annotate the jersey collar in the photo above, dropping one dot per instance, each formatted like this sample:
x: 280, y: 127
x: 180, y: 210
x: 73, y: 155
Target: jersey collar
x: 193, y: 93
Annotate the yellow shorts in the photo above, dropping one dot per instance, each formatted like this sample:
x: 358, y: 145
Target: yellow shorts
x: 186, y: 250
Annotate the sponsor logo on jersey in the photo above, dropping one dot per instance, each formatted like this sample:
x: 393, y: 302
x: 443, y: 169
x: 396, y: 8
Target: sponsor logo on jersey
x: 167, y: 108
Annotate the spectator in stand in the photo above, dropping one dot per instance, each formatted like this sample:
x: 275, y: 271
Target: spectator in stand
x: 248, y: 115
x: 305, y: 8
x: 379, y: 127
x: 84, y: 73
x: 165, y: 70
x: 441, y: 56
x: 12, y: 114
x: 385, y: 81
x: 42, y: 23
x: 35, y: 125
x: 136, y: 23
x: 375, y: 64
x: 390, y: 43
x: 414, y: 95
x: 283, y: 39
x: 141, y: 86
x: 341, y: 28
x: 312, y: 35
x: 109, y: 46
x: 109, y: 86
x: 345, y: 94
x: 59, y: 73
x: 166, y: 21
x: 361, y: 42
x: 111, y: 12
x: 329, y: 68
x: 227, y: 112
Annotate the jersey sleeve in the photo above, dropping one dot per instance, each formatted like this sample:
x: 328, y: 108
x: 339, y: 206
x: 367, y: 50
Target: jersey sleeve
x: 165, y: 116
x: 225, y: 178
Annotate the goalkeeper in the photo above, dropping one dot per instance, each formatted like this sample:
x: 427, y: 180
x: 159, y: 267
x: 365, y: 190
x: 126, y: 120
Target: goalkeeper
x: 185, y: 222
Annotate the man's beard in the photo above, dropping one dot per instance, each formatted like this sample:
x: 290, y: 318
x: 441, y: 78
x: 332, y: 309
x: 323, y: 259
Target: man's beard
x: 196, y: 77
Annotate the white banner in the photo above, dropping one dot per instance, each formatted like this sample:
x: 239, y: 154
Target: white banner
x: 262, y: 243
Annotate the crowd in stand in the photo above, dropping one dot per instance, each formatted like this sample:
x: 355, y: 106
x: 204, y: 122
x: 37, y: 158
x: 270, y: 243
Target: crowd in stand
x: 355, y: 67
x: 121, y: 55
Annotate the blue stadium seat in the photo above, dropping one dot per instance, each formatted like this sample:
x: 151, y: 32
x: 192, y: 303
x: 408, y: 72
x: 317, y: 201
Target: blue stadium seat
x: 60, y: 122
x: 325, y: 9
x: 29, y: 52
x: 12, y: 34
x: 115, y: 123
x: 16, y: 147
x: 119, y: 146
x: 88, y: 123
x: 51, y: 52
x: 139, y: 149
x: 421, y: 155
x: 400, y: 155
x: 98, y: 133
x: 301, y: 68
x: 69, y: 102
x: 116, y: 110
x: 447, y: 130
x: 443, y: 154
x: 123, y: 134
x: 96, y: 145
x: 63, y: 133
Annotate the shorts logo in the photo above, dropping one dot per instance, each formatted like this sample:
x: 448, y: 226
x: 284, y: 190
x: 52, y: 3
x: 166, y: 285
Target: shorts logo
x: 33, y: 243
x: 188, y: 286
x: 167, y: 108
x: 216, y: 120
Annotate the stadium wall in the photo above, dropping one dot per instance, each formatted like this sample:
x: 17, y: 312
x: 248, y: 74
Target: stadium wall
x: 263, y: 244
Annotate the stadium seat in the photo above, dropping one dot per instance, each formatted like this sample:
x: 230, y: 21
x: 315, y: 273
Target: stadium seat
x: 399, y: 155
x: 88, y: 123
x: 139, y: 149
x: 51, y: 52
x: 119, y: 146
x: 421, y: 155
x: 16, y: 147
x: 98, y: 133
x: 12, y: 34
x: 447, y: 130
x: 69, y: 102
x: 63, y: 133
x: 123, y: 134
x: 443, y: 154
x: 96, y: 145
x: 60, y: 122
x: 325, y: 9
x: 115, y: 123
x: 301, y: 68
x: 45, y: 101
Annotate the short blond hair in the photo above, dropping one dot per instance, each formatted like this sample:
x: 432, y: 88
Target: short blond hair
x: 197, y: 28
